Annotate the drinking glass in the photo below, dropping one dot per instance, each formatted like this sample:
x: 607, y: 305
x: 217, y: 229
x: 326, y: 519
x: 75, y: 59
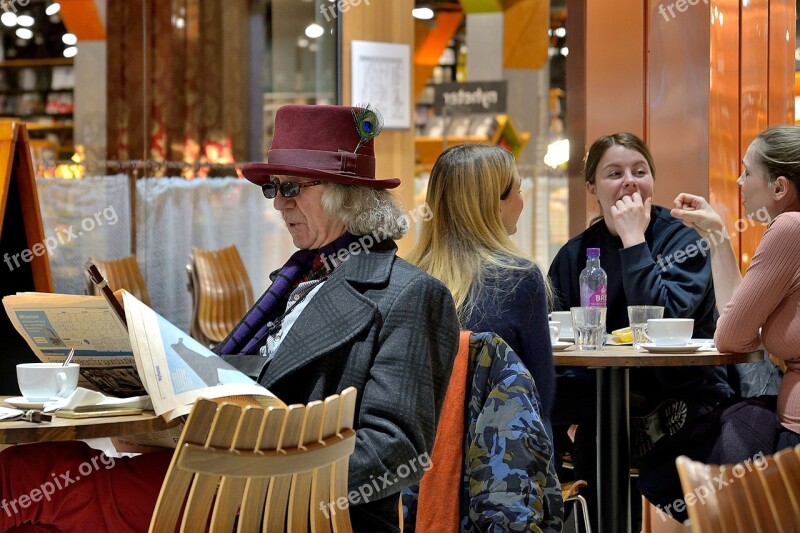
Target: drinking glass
x: 589, y: 325
x: 638, y: 315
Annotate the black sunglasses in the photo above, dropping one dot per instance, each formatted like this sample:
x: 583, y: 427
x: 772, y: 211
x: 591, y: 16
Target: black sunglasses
x: 289, y: 189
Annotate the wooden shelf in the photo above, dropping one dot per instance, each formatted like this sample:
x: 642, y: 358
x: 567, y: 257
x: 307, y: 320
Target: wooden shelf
x: 30, y: 96
x: 47, y: 62
x: 34, y: 126
x: 505, y: 134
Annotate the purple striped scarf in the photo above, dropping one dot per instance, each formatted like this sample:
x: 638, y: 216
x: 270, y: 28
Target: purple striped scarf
x: 248, y: 336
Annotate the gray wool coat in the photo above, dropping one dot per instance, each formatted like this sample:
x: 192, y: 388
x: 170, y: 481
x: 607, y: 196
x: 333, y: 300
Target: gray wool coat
x: 386, y: 328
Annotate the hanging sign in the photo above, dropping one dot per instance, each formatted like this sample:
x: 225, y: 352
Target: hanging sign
x: 471, y: 97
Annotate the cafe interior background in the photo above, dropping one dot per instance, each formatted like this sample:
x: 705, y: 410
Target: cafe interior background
x: 141, y: 112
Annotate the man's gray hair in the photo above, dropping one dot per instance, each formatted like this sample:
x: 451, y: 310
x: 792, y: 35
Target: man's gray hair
x: 364, y: 210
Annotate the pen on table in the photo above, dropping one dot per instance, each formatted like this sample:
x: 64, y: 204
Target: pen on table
x: 68, y: 360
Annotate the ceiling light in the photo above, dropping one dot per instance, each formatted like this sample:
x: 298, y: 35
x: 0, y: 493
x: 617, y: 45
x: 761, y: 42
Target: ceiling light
x: 422, y: 13
x: 24, y: 33
x: 25, y: 20
x: 52, y: 9
x: 71, y: 51
x: 9, y: 19
x: 561, y: 32
x: 69, y: 39
x: 314, y: 30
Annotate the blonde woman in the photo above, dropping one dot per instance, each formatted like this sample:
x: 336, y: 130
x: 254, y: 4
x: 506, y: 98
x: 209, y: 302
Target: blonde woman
x: 474, y: 194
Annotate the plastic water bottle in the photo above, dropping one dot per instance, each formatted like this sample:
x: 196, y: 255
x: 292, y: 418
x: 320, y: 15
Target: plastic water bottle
x: 593, y: 281
x: 589, y: 321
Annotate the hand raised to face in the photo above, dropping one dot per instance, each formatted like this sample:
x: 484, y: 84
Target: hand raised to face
x: 695, y: 212
x: 631, y: 217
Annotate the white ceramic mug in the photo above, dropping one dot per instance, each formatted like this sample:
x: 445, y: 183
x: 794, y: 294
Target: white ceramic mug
x: 42, y: 381
x: 555, y: 329
x: 565, y: 318
x: 670, y: 331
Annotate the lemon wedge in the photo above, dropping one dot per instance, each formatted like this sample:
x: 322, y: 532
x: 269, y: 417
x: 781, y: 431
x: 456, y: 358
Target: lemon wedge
x: 623, y: 335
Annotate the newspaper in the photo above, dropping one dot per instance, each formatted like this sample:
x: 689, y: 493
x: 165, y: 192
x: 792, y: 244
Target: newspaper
x: 52, y: 324
x: 153, y: 356
x: 176, y: 369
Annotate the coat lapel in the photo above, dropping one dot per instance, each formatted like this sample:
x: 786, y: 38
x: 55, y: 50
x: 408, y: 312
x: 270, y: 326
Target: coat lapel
x: 339, y: 313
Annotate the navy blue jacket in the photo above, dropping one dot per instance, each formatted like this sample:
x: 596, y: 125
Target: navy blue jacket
x: 659, y: 271
x: 513, y: 305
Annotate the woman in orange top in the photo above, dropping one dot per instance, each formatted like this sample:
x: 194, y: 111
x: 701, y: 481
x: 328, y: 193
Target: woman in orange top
x: 762, y: 307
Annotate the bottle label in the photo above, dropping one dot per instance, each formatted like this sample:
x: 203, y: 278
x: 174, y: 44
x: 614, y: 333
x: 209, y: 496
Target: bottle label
x: 598, y: 297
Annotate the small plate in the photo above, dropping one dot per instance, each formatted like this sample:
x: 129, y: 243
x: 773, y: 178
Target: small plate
x: 687, y: 348
x: 20, y: 402
x: 561, y: 346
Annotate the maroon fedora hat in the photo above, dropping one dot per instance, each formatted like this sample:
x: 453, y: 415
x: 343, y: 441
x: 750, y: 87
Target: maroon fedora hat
x: 319, y: 142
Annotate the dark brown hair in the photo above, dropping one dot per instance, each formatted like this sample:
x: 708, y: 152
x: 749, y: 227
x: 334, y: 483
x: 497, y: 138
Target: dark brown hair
x: 599, y: 147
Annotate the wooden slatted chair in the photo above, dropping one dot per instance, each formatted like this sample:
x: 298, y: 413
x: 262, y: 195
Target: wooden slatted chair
x: 788, y: 462
x: 123, y: 273
x: 749, y: 496
x: 705, y: 517
x: 221, y: 292
x: 241, y: 467
x: 780, y: 502
x: 570, y: 493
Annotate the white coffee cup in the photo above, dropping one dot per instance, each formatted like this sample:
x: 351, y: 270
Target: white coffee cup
x: 565, y: 318
x: 555, y: 329
x: 42, y: 381
x: 670, y: 331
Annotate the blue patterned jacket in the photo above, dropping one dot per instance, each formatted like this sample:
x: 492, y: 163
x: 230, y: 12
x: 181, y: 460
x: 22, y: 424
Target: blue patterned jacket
x: 508, y: 481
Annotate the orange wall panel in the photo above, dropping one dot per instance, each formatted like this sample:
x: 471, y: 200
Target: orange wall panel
x: 678, y: 99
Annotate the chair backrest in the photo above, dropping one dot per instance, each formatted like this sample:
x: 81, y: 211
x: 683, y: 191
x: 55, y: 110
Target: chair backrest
x: 788, y: 462
x: 123, y: 273
x: 748, y: 496
x: 221, y: 292
x: 498, y: 408
x: 239, y: 466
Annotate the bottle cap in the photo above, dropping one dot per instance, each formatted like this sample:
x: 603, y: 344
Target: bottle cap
x: 593, y: 252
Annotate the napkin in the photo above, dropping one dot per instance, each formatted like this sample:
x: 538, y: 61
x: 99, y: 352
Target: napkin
x: 7, y: 413
x: 85, y: 400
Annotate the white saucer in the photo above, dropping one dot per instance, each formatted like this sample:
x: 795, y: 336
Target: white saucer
x: 561, y: 346
x: 20, y: 402
x: 686, y: 348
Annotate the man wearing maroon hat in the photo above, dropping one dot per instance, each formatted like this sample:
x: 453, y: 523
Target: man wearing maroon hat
x: 343, y: 311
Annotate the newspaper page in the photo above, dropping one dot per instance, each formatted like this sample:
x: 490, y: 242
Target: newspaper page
x: 176, y: 369
x: 53, y: 324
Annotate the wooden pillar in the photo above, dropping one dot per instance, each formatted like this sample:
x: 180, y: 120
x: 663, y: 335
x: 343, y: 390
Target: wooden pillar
x: 388, y: 21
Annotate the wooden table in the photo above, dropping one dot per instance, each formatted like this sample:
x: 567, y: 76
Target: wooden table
x: 613, y: 439
x: 18, y: 431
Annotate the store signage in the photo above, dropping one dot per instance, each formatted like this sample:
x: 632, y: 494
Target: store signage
x: 472, y: 97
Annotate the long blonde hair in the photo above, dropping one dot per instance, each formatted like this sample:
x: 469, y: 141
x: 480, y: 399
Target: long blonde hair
x: 464, y: 243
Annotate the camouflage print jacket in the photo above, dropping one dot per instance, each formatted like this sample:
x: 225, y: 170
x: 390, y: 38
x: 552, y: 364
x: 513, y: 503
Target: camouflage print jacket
x: 508, y: 481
